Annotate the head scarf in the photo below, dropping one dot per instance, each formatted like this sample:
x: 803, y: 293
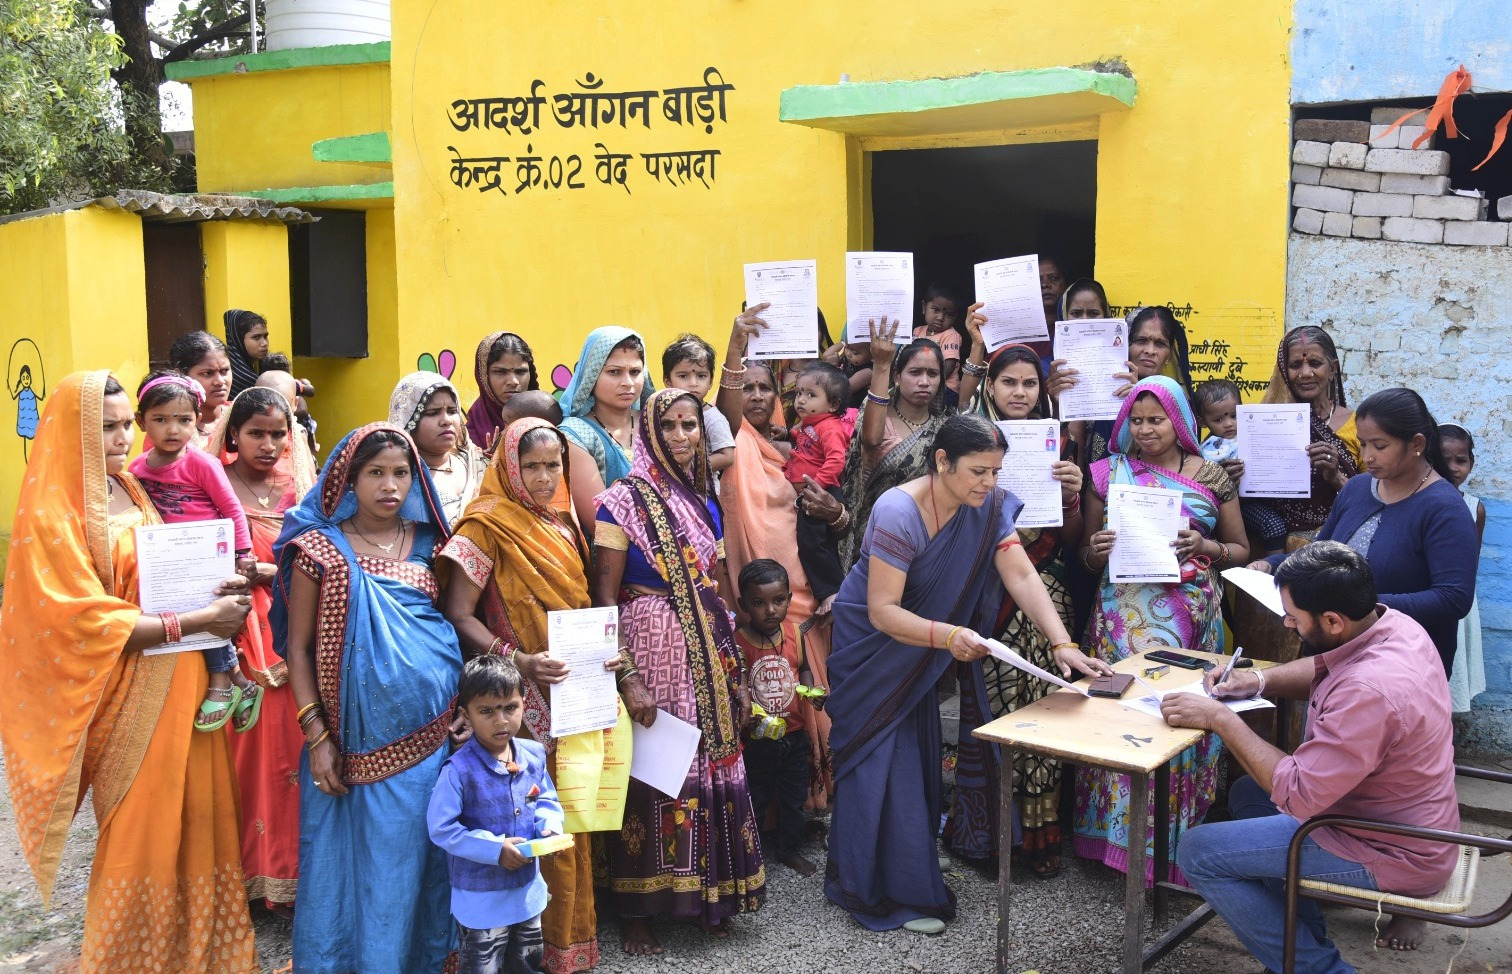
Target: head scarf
x: 296, y: 463
x: 577, y: 398
x: 486, y: 415
x: 1280, y: 391
x: 243, y: 370
x: 413, y: 394
x: 985, y: 404
x: 653, y: 460
x: 1178, y: 364
x: 1080, y: 284
x: 1177, y: 408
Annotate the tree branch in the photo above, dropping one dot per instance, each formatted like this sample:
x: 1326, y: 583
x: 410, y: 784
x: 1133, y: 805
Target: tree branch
x: 219, y: 32
x: 101, y: 13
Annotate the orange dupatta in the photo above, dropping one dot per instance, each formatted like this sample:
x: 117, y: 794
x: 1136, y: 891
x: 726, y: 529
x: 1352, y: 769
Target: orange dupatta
x: 75, y: 710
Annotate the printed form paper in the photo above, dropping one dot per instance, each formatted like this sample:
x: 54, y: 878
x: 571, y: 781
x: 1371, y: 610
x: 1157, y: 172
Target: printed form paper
x: 179, y: 567
x: 1146, y: 519
x: 1273, y: 445
x: 1097, y: 348
x: 999, y: 651
x: 1033, y: 448
x: 792, y: 289
x: 584, y: 639
x: 1149, y: 703
x: 1009, y: 290
x: 662, y: 753
x: 879, y: 286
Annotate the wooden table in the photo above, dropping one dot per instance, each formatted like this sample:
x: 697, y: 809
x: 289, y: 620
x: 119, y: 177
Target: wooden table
x: 1106, y: 734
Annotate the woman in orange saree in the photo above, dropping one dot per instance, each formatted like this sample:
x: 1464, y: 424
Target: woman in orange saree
x: 86, y: 710
x: 271, y: 471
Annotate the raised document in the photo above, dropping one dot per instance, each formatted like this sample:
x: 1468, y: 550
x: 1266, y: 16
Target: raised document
x: 584, y: 639
x: 1028, y: 470
x: 791, y: 287
x: 179, y: 567
x: 1273, y: 445
x: 879, y: 286
x: 1098, y: 349
x: 1146, y: 519
x: 1009, y: 290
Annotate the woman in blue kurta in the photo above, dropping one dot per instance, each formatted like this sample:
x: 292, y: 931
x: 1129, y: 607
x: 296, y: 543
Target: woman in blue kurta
x: 374, y: 667
x: 936, y: 554
x: 600, y: 404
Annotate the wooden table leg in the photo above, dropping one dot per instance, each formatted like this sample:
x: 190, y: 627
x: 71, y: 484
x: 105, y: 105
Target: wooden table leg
x: 1005, y: 859
x: 1162, y: 826
x: 1134, y: 881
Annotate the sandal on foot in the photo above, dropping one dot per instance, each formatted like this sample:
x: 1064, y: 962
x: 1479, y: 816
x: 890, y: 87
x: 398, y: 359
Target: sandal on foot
x: 212, y: 708
x: 251, y: 701
x: 933, y: 926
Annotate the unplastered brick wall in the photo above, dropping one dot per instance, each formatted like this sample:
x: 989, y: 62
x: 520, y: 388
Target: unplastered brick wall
x: 1350, y: 178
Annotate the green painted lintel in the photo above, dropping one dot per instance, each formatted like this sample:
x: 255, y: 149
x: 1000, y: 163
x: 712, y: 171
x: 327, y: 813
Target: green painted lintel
x: 300, y: 57
x: 1039, y: 95
x: 372, y: 147
x: 324, y: 194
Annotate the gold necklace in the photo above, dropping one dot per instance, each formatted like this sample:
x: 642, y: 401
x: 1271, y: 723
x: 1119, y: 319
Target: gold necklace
x: 388, y: 549
x: 264, y: 501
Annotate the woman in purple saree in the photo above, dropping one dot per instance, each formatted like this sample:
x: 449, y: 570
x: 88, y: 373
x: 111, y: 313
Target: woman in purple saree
x: 936, y: 551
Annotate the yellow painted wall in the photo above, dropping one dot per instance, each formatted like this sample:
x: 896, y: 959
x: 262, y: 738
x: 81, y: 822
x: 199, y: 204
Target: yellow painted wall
x: 255, y: 131
x: 1192, y: 182
x: 74, y: 298
x: 247, y: 266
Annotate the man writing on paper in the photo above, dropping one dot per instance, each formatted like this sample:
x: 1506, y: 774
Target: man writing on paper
x: 1378, y: 745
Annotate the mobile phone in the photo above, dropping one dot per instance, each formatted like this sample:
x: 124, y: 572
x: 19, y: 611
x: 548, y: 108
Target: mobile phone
x: 1110, y: 686
x: 1177, y: 659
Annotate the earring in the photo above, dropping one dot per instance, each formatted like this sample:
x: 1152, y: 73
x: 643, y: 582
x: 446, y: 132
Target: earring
x: 1417, y: 453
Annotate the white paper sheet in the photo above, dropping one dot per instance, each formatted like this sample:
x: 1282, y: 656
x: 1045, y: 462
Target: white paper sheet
x: 584, y: 639
x: 1009, y: 290
x: 999, y: 651
x: 1259, y: 585
x: 879, y: 285
x: 179, y: 566
x: 1033, y: 446
x: 792, y: 288
x: 1273, y: 445
x: 1097, y: 348
x: 1149, y: 702
x: 1146, y: 519
x: 662, y: 753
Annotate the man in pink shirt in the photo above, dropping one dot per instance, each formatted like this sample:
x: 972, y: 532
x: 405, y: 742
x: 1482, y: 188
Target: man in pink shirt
x: 1379, y: 744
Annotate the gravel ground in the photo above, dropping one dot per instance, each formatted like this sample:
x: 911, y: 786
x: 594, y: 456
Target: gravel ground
x: 1068, y: 925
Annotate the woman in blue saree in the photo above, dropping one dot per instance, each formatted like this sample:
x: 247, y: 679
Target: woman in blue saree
x: 600, y: 405
x: 374, y: 666
x: 1155, y: 445
x: 936, y: 554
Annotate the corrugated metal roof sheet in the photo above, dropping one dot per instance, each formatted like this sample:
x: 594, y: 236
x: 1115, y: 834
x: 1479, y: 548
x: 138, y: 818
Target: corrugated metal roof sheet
x: 173, y: 208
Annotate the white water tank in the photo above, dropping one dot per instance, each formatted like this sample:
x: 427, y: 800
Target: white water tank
x: 322, y: 23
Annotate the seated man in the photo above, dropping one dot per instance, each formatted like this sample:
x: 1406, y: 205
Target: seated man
x: 1378, y: 745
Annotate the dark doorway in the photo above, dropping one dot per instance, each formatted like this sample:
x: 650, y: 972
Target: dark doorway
x: 953, y: 208
x: 175, y: 268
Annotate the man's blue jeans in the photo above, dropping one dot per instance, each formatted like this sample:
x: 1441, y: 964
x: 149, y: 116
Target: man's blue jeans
x: 1239, y: 867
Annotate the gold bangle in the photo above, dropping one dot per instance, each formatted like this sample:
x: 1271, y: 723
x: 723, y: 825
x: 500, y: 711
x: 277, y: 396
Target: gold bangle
x: 1065, y: 646
x: 319, y: 737
x: 306, y: 709
x: 949, y: 636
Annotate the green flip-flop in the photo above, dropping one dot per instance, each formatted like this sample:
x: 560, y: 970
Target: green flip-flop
x: 251, y: 699
x: 210, y: 708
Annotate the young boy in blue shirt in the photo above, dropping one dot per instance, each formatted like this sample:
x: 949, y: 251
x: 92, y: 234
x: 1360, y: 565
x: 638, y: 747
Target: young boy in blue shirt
x: 493, y: 794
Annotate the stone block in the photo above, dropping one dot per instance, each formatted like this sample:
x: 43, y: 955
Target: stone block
x: 1309, y: 175
x: 1395, y: 182
x: 1386, y: 114
x: 1337, y: 224
x: 1504, y: 208
x: 1479, y: 233
x: 1447, y: 207
x: 1380, y: 140
x: 1310, y: 153
x: 1382, y: 204
x: 1366, y: 228
x: 1408, y: 134
x: 1408, y: 230
x: 1413, y: 162
x: 1331, y: 130
x: 1347, y: 155
x: 1308, y: 221
x: 1361, y: 182
x: 1325, y: 198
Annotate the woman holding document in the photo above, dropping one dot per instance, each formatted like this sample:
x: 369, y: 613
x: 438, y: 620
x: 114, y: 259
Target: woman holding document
x: 513, y: 559
x: 937, y: 554
x: 374, y: 667
x: 93, y: 713
x: 659, y: 555
x: 1155, y: 445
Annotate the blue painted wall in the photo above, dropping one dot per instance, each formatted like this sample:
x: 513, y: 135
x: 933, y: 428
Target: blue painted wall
x: 1350, y: 50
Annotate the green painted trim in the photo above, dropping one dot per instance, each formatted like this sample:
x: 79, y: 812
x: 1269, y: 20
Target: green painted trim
x: 300, y: 57
x: 371, y: 147
x: 323, y: 194
x: 805, y: 103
